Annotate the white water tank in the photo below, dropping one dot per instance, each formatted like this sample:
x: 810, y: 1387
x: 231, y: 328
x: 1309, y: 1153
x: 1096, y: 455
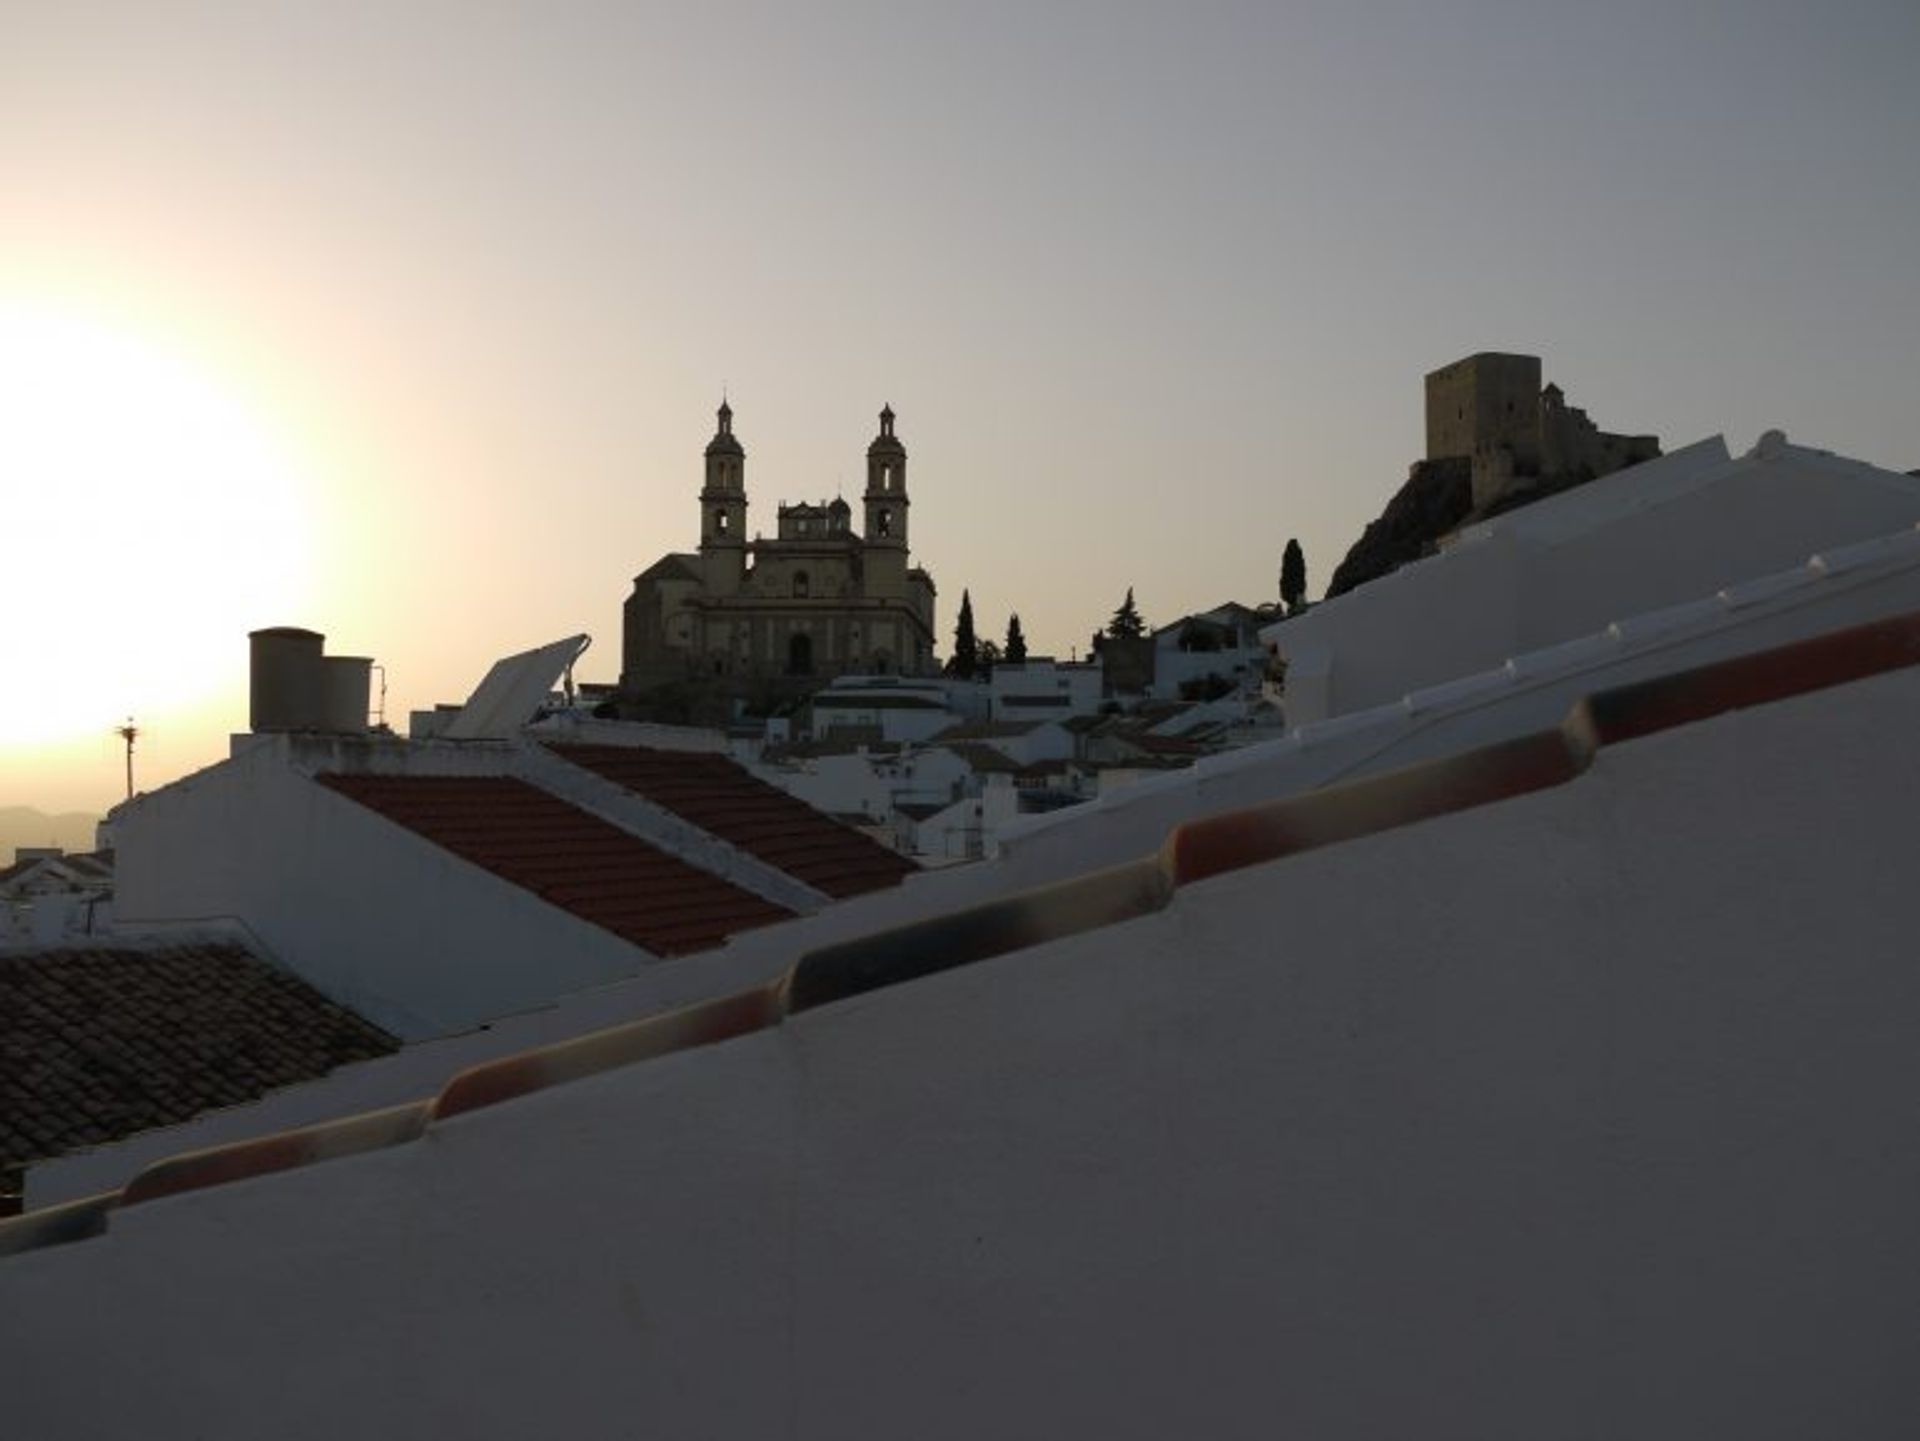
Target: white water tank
x: 287, y: 687
x: 348, y: 678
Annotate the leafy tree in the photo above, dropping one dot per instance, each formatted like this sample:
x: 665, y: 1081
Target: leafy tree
x: 989, y: 658
x: 1015, y: 650
x: 1126, y: 623
x: 1293, y: 578
x: 966, y: 646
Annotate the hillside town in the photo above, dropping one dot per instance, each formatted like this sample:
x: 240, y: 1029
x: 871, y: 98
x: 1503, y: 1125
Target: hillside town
x: 864, y: 995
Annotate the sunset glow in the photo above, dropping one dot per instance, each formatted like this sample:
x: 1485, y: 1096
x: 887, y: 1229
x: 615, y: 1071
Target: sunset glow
x: 153, y: 518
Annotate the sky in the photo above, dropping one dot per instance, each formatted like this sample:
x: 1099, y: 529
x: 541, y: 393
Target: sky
x: 406, y: 322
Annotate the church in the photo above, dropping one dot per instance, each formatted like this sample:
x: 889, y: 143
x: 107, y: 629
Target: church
x: 764, y: 620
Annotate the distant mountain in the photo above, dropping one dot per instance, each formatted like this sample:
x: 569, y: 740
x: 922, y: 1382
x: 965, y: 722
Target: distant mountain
x: 25, y: 826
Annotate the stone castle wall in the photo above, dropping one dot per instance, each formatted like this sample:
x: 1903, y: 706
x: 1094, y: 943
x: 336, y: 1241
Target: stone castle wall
x: 1490, y: 409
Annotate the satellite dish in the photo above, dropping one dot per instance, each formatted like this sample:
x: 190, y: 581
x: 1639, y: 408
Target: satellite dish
x: 513, y: 690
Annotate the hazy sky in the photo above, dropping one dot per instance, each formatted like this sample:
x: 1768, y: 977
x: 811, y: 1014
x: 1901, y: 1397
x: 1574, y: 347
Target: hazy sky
x: 406, y: 321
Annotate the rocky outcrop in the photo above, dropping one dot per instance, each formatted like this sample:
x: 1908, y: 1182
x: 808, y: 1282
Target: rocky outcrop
x: 1437, y: 497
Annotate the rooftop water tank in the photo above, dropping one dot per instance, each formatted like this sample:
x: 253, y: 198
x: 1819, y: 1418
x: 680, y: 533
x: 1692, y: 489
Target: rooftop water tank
x: 288, y: 681
x: 348, y: 679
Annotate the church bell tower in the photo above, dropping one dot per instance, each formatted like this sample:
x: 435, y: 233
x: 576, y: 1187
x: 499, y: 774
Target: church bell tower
x: 723, y: 510
x: 886, y: 512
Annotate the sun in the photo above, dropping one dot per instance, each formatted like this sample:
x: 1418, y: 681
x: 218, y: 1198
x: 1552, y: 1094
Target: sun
x: 148, y: 519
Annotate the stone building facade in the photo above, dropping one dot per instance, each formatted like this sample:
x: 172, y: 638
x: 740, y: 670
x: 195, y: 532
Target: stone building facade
x: 764, y: 619
x: 1491, y: 409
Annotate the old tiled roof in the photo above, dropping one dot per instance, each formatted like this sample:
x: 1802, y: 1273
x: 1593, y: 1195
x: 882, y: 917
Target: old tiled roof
x: 986, y: 731
x: 1164, y: 745
x: 20, y: 868
x: 724, y: 800
x: 981, y: 757
x: 567, y: 857
x: 871, y: 700
x: 675, y: 565
x: 98, y: 1043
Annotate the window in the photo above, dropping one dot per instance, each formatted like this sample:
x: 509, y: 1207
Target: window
x: 800, y: 654
x: 719, y: 522
x: 884, y: 522
x: 800, y: 584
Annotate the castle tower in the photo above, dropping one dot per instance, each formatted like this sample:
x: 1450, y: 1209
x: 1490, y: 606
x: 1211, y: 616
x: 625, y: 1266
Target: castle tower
x: 886, y: 507
x: 723, y: 510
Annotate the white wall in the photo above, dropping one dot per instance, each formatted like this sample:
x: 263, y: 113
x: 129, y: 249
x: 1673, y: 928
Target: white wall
x: 896, y: 723
x: 1243, y: 666
x: 1068, y: 690
x: 970, y: 827
x: 837, y: 784
x: 1048, y: 741
x: 1622, y: 1149
x: 1634, y: 541
x: 403, y: 932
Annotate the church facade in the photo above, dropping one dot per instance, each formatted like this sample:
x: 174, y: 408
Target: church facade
x: 775, y: 618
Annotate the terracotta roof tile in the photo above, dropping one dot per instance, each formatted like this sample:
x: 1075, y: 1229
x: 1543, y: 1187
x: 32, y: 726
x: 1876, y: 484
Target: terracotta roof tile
x: 97, y: 1043
x: 720, y: 797
x: 566, y: 857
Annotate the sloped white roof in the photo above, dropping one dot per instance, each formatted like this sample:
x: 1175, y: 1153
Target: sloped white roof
x: 1600, y: 1091
x: 1638, y: 540
x: 1846, y: 586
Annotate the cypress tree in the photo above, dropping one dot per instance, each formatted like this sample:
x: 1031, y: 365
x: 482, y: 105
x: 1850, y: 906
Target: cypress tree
x: 1015, y: 650
x: 966, y: 645
x: 1293, y: 577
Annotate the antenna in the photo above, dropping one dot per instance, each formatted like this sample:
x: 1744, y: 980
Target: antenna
x: 128, y: 733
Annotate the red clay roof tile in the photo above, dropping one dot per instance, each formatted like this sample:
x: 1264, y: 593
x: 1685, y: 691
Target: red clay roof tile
x: 566, y: 857
x: 723, y: 799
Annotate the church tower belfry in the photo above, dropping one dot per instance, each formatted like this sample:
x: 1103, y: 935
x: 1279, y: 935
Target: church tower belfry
x: 723, y: 509
x: 770, y: 618
x: 886, y: 511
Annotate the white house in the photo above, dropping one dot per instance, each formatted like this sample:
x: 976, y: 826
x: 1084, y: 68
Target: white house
x: 900, y: 709
x: 1044, y: 689
x: 1213, y: 650
x: 436, y: 885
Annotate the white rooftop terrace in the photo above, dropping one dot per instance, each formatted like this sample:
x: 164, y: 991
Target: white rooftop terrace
x: 1588, y: 1103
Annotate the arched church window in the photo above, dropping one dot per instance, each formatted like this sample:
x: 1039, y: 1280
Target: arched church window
x: 800, y: 584
x: 884, y: 522
x: 719, y: 522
